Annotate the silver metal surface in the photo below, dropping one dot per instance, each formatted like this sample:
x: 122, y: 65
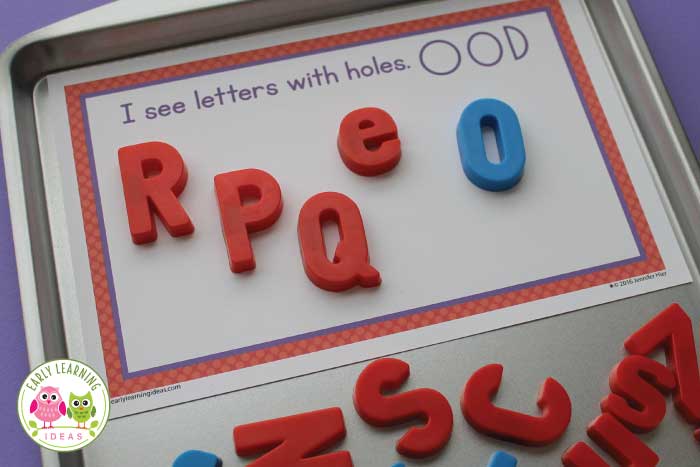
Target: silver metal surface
x: 578, y: 349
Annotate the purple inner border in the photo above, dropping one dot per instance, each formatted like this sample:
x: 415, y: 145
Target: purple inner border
x: 126, y: 374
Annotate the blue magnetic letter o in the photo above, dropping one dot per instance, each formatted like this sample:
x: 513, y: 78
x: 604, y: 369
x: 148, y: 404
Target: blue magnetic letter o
x: 502, y: 120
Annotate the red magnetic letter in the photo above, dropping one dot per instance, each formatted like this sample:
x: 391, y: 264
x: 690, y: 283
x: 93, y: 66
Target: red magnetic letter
x: 581, y: 455
x: 293, y: 441
x: 620, y: 443
x: 153, y: 176
x: 350, y: 265
x: 638, y: 380
x: 428, y: 405
x: 238, y: 219
x: 505, y: 424
x: 368, y: 141
x: 672, y: 329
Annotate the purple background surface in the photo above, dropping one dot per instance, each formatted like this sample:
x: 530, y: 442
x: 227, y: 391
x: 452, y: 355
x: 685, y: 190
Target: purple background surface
x: 670, y: 29
x: 17, y: 18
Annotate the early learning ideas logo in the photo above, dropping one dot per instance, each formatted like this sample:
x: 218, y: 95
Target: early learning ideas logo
x: 63, y: 405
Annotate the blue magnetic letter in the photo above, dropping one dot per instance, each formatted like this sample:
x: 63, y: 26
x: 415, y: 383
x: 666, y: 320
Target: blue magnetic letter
x: 197, y: 459
x: 502, y: 119
x: 502, y: 459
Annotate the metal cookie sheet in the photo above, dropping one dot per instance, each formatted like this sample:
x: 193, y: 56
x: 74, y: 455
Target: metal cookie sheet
x: 579, y: 349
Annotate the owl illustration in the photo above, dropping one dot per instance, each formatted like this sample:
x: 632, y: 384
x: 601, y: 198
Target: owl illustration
x: 48, y: 405
x: 80, y: 408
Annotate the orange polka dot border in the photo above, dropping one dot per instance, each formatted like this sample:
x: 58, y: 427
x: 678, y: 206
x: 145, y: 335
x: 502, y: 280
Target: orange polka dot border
x: 122, y: 382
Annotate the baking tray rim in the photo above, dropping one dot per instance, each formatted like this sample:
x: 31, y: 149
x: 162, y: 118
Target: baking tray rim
x: 17, y: 89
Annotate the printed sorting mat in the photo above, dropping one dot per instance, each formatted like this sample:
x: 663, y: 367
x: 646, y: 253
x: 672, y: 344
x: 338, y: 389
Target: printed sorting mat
x: 168, y: 321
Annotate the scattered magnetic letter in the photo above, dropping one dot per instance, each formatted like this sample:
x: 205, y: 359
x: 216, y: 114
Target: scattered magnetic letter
x: 582, y: 455
x: 377, y: 409
x: 504, y: 122
x: 508, y: 425
x: 637, y: 386
x: 672, y: 330
x: 620, y: 443
x: 295, y: 441
x: 502, y: 459
x: 197, y: 459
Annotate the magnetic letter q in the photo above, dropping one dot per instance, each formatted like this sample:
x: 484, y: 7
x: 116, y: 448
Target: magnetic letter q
x: 350, y: 265
x: 501, y: 118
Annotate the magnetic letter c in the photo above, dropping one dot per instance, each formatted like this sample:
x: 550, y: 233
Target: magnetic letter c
x: 508, y: 425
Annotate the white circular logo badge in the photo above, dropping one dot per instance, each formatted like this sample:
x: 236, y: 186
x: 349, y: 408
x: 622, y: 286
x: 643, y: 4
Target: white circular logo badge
x: 63, y: 405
